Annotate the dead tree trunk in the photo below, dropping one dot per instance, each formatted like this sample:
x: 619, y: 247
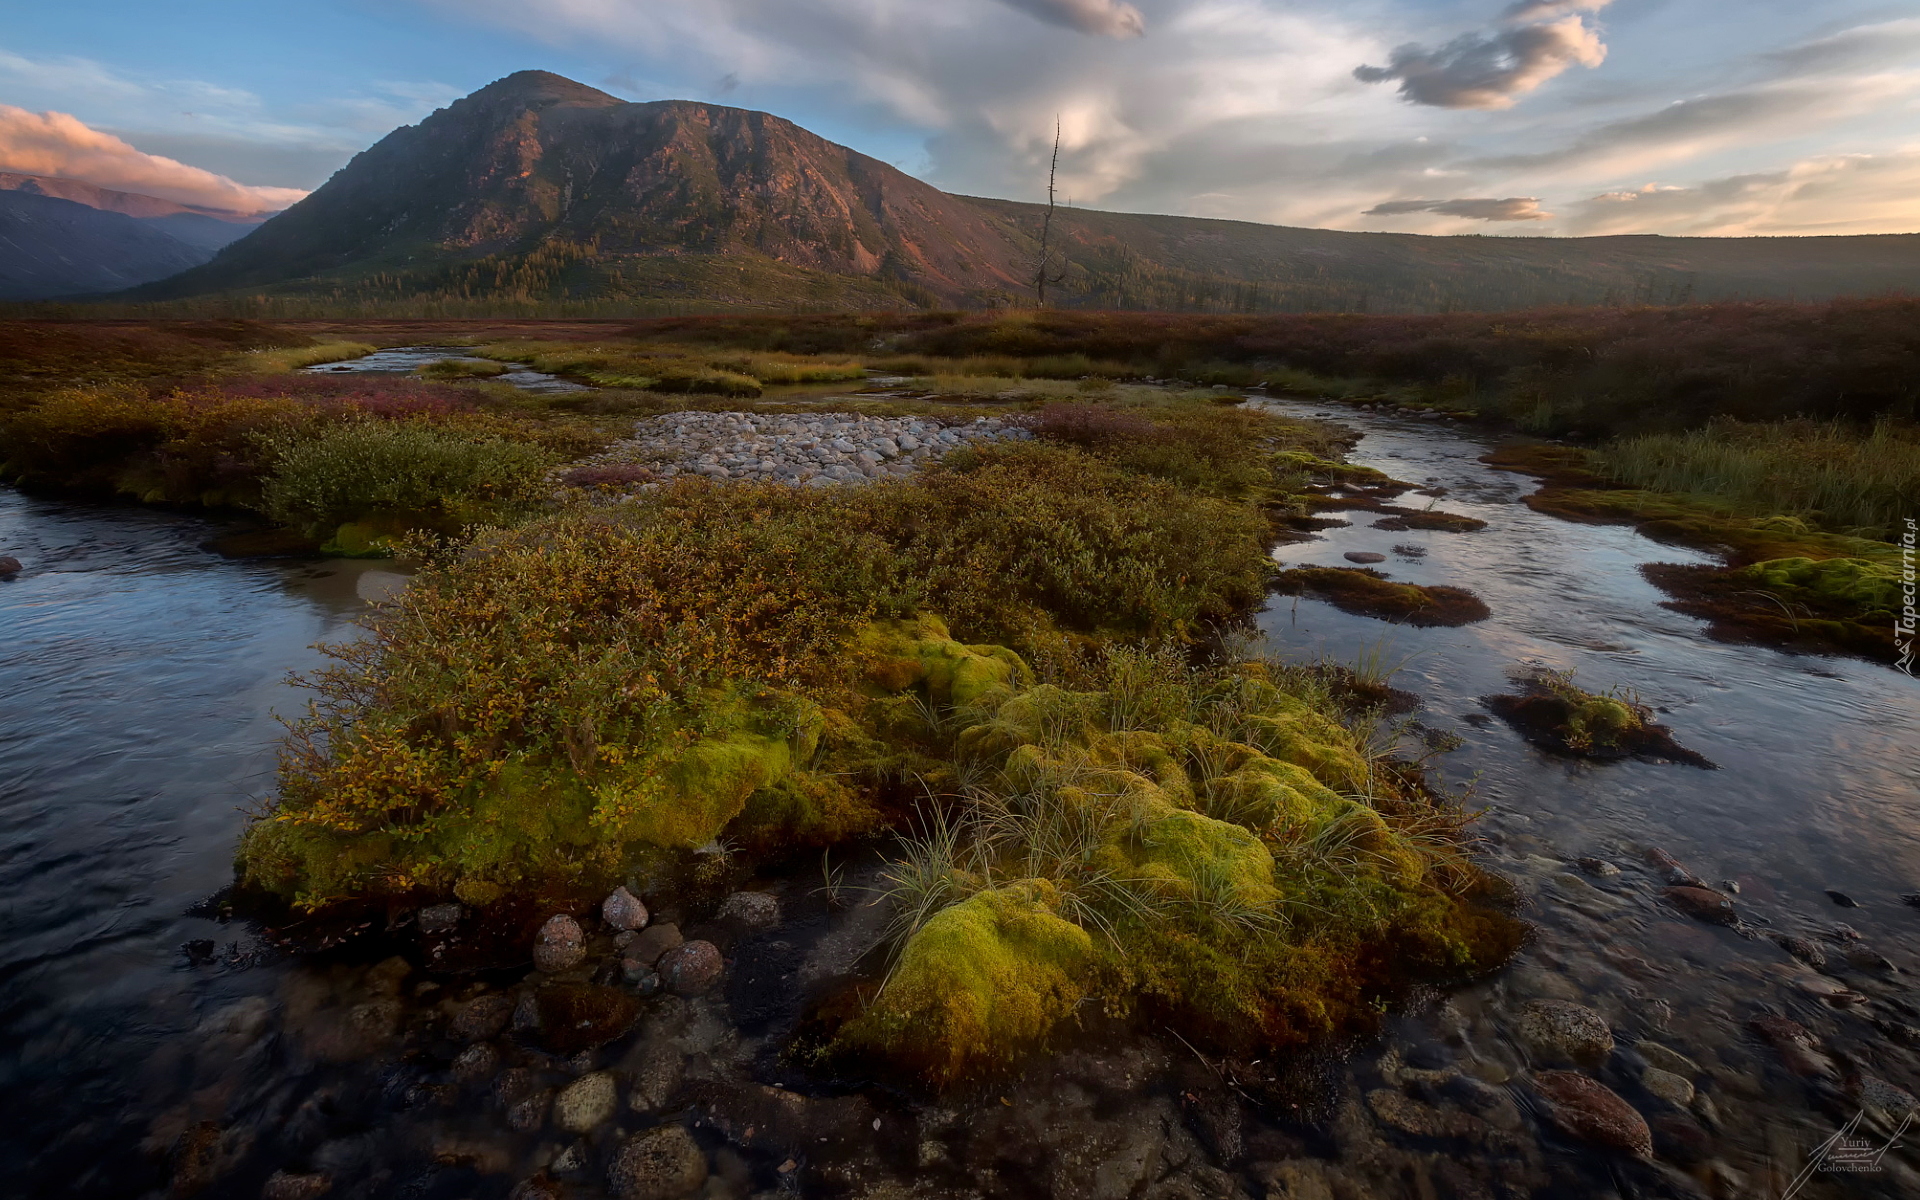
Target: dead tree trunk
x: 1043, y: 273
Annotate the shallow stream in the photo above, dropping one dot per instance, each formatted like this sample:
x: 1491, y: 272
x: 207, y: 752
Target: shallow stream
x: 137, y: 686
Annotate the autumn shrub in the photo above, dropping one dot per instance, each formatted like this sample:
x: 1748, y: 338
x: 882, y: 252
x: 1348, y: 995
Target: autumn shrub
x: 362, y: 469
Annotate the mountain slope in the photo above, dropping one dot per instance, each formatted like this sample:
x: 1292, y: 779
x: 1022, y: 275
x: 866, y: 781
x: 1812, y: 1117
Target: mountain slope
x: 52, y: 247
x: 539, y: 188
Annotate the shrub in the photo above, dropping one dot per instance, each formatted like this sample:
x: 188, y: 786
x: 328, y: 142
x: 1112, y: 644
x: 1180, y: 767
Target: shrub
x: 370, y: 469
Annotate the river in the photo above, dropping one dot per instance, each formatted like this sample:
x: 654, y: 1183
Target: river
x: 141, y: 674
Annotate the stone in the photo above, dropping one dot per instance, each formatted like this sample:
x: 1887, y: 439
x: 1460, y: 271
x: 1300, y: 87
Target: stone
x: 662, y: 1164
x: 1399, y: 1111
x: 751, y: 910
x: 1882, y: 1100
x: 284, y: 1185
x: 1807, y: 952
x: 557, y: 947
x: 1702, y: 904
x: 1671, y: 870
x: 655, y: 1077
x: 476, y: 1064
x: 529, y: 1112
x: 692, y: 968
x: 539, y: 1187
x: 623, y: 910
x: 1668, y: 1086
x: 1799, y: 1050
x: 440, y: 918
x: 1590, y: 1110
x: 483, y: 1017
x: 1842, y: 899
x: 1679, y: 1139
x: 1561, y: 1029
x: 586, y: 1104
x: 580, y: 1016
x: 1600, y: 868
x: 1364, y: 556
x: 1667, y: 1059
x: 1867, y: 960
x: 515, y: 1084
x: 653, y: 942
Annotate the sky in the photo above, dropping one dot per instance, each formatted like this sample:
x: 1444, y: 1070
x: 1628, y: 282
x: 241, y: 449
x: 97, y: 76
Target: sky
x: 1516, y: 117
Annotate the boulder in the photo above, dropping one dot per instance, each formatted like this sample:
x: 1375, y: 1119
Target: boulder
x: 1561, y: 1029
x: 752, y: 911
x: 440, y: 918
x: 557, y: 947
x: 691, y: 969
x: 662, y: 1164
x: 1590, y: 1110
x: 1702, y: 904
x: 623, y: 910
x: 483, y: 1017
x: 653, y: 942
x: 586, y: 1104
x: 9, y: 566
x: 580, y: 1016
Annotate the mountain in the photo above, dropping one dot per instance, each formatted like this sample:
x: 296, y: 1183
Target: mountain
x: 538, y: 188
x: 51, y: 247
x: 194, y: 224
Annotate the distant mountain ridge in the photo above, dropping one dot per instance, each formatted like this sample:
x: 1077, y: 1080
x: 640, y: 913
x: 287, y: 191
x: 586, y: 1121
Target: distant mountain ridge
x: 537, y: 187
x: 48, y: 250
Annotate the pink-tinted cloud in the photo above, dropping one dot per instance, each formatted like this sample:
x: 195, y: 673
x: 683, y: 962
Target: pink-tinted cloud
x: 60, y: 145
x: 1543, y: 38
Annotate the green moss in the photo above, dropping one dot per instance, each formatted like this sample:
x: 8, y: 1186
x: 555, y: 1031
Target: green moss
x: 981, y: 982
x: 1196, y: 856
x: 920, y: 653
x: 1858, y: 585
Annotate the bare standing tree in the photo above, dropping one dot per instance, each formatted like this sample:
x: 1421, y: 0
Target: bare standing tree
x: 1043, y: 272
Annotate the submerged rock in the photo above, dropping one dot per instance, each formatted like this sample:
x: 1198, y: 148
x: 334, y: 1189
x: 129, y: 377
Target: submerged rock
x: 1702, y: 904
x: 1590, y: 1110
x: 751, y: 910
x: 1799, y: 1050
x: 1807, y: 952
x: 580, y: 1016
x: 476, y: 1063
x: 692, y: 968
x: 1668, y: 1086
x: 483, y: 1017
x: 1599, y: 868
x: 664, y: 1164
x: 440, y: 918
x: 557, y: 948
x: 586, y: 1104
x: 1563, y: 1029
x: 284, y: 1185
x: 653, y: 942
x: 623, y: 910
x: 1398, y: 1111
x: 1364, y: 556
x: 9, y: 566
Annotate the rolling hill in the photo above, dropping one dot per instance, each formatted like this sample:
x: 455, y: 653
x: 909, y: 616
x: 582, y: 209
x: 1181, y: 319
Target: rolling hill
x: 538, y: 188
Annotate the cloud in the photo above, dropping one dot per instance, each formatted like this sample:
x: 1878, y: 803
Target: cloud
x: 1513, y: 208
x: 1543, y: 39
x: 1831, y: 194
x: 1107, y: 18
x: 1529, y: 11
x: 53, y: 143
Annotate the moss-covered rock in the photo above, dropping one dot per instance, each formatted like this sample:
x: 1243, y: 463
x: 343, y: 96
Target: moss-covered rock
x: 919, y: 653
x: 979, y: 983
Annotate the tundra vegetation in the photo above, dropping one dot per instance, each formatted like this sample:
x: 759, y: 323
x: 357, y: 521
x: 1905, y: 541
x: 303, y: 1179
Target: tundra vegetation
x: 1011, y: 660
